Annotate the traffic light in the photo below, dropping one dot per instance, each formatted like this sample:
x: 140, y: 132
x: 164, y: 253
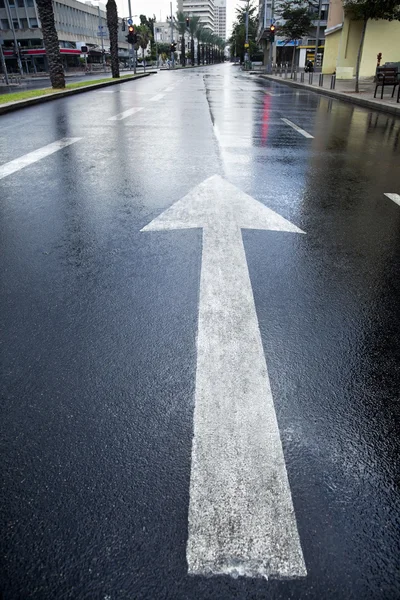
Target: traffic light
x: 123, y: 25
x: 173, y: 47
x: 187, y: 22
x: 272, y: 29
x: 131, y: 37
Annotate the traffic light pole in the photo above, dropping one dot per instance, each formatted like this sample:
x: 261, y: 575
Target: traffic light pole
x: 131, y: 50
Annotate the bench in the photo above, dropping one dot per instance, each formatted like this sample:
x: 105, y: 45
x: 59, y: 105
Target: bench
x: 386, y: 76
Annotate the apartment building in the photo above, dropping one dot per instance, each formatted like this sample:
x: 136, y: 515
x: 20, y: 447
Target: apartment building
x: 77, y: 24
x: 220, y: 18
x: 205, y: 9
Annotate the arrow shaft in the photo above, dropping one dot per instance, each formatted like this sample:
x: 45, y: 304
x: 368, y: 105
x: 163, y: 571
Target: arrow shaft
x: 241, y: 517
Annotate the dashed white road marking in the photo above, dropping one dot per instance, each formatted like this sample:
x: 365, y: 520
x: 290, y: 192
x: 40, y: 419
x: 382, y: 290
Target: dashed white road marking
x: 241, y: 515
x: 297, y: 128
x: 126, y: 113
x: 394, y: 197
x: 170, y: 88
x: 28, y: 159
x: 157, y: 98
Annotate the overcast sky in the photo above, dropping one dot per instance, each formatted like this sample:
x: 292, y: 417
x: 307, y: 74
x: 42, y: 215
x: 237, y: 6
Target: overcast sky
x: 150, y: 7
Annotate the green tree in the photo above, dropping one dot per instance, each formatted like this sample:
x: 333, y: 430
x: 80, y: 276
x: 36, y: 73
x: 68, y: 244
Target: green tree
x: 238, y: 37
x: 144, y: 37
x: 193, y: 25
x: 298, y: 23
x: 364, y: 10
x: 150, y: 22
x: 51, y: 43
x: 180, y: 26
x: 112, y: 24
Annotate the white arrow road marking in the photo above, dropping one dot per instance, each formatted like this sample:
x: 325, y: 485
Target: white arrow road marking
x: 125, y: 114
x: 241, y: 516
x: 157, y: 98
x: 28, y: 159
x: 297, y: 128
x: 394, y: 197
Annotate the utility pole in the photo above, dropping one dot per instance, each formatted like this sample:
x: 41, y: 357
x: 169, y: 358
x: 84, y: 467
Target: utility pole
x: 131, y: 49
x: 246, y: 56
x: 317, y: 35
x: 101, y: 35
x: 16, y: 47
x: 172, y: 39
x: 3, y: 62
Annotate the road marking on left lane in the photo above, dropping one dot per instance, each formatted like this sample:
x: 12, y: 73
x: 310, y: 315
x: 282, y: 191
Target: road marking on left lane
x: 125, y: 114
x: 394, y: 197
x: 157, y: 98
x: 297, y: 128
x: 28, y: 159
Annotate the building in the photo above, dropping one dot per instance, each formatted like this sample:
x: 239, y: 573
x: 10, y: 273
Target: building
x: 78, y: 24
x: 343, y: 41
x: 283, y: 50
x: 220, y: 18
x: 162, y: 32
x: 205, y: 9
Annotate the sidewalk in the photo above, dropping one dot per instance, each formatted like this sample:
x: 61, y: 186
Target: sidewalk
x: 344, y: 90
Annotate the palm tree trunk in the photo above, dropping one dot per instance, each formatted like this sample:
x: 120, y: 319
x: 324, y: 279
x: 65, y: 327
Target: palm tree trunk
x: 112, y: 23
x: 144, y: 62
x: 359, y: 55
x: 51, y: 44
x: 192, y: 51
x: 198, y: 53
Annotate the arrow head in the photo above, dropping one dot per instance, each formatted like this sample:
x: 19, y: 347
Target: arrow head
x: 216, y: 203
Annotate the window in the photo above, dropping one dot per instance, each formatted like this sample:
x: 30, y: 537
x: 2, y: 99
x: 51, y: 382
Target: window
x: 15, y: 24
x: 5, y: 24
x: 20, y: 3
x: 24, y: 23
x: 2, y: 4
x: 29, y: 3
x: 33, y: 23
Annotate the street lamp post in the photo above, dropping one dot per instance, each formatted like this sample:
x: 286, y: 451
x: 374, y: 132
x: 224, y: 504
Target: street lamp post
x: 317, y: 35
x: 16, y: 47
x: 102, y: 38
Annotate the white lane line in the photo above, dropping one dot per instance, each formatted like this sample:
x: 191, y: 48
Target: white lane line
x: 394, y: 197
x: 28, y: 159
x: 241, y: 515
x: 157, y: 98
x: 125, y: 114
x: 297, y: 128
x: 106, y: 92
x: 170, y: 88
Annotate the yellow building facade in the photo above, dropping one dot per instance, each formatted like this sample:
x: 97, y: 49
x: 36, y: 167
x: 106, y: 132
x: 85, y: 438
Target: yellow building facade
x: 342, y: 40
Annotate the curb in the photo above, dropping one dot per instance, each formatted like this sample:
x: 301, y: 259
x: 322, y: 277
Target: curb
x: 394, y: 110
x: 11, y: 106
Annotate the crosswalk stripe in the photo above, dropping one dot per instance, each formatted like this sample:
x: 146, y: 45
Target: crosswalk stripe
x: 394, y: 197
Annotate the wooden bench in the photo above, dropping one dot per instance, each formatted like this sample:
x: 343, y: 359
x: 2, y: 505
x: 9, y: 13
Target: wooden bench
x: 386, y: 76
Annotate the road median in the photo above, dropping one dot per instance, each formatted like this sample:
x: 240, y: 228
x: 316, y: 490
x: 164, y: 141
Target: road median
x: 70, y: 90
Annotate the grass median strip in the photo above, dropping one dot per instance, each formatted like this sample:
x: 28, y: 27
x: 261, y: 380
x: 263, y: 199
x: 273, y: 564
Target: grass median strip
x: 16, y: 96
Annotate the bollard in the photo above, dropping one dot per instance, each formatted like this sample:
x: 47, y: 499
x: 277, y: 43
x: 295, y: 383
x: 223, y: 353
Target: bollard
x: 302, y: 77
x: 286, y: 73
x: 321, y: 80
x: 295, y: 75
x: 310, y: 78
x: 333, y: 82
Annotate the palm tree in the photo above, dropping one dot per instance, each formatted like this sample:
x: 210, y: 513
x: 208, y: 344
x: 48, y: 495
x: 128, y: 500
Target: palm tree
x: 144, y: 37
x: 112, y: 24
x: 199, y: 37
x: 193, y: 25
x: 207, y: 40
x: 180, y: 25
x: 51, y: 43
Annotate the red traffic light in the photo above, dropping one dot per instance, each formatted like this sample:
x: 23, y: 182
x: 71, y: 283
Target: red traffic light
x: 272, y: 28
x: 187, y: 21
x: 131, y: 29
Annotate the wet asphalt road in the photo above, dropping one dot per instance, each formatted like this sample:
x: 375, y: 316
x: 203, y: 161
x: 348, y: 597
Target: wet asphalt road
x: 99, y: 324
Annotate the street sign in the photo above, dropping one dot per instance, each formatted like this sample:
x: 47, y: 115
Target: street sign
x: 241, y: 516
x: 130, y: 22
x: 101, y: 34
